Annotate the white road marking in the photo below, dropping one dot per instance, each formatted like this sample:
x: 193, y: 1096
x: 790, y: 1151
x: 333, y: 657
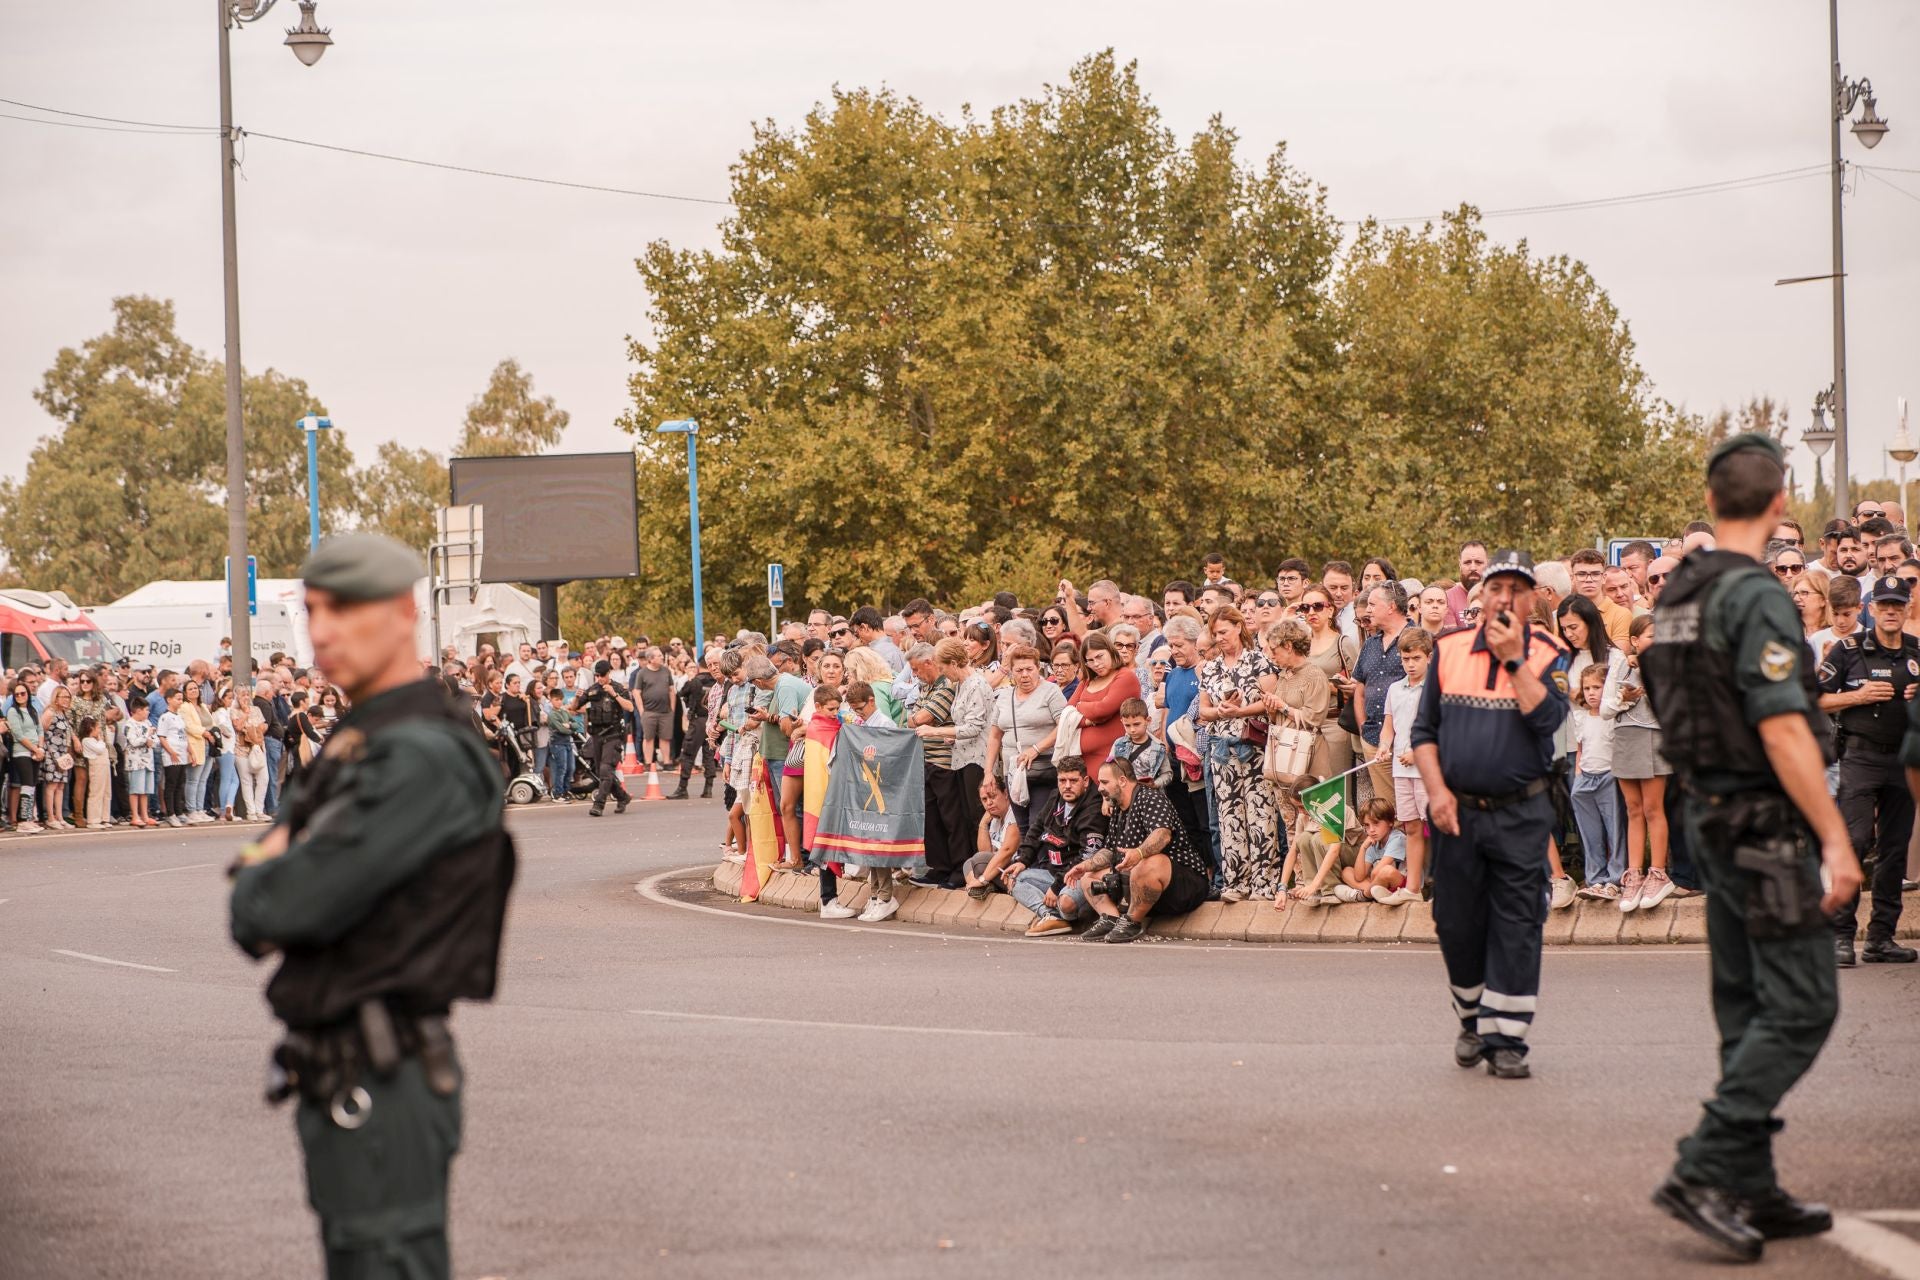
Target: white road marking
x: 161, y: 871
x: 124, y: 964
x: 1875, y: 1245
x: 649, y: 889
x: 828, y: 1026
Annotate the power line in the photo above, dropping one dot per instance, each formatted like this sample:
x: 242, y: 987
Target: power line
x: 107, y: 128
x: 151, y: 124
x: 489, y: 173
x: 1890, y: 184
x: 1643, y: 197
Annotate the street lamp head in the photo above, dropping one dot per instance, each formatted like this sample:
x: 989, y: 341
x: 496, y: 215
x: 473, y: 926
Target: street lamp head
x: 308, y: 41
x: 1869, y: 128
x: 679, y: 426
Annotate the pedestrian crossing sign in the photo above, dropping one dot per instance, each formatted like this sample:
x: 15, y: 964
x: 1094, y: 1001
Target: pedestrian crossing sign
x: 1327, y: 805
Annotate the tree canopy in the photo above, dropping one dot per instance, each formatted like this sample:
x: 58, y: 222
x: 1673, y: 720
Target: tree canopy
x: 945, y: 356
x: 130, y: 486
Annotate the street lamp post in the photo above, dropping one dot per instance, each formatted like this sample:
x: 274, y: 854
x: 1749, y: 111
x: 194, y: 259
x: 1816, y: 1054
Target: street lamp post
x: 308, y: 42
x: 1870, y: 128
x: 313, y: 426
x: 1902, y: 451
x: 690, y: 428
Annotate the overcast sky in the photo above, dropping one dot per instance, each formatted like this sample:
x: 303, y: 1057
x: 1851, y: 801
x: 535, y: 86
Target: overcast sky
x: 394, y: 290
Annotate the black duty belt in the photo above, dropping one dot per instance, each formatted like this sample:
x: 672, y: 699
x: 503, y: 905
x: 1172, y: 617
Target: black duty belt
x: 1857, y: 743
x: 1488, y: 804
x: 326, y: 1066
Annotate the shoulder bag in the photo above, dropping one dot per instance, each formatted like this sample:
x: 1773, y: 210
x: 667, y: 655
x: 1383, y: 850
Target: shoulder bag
x: 1289, y: 755
x: 1067, y: 741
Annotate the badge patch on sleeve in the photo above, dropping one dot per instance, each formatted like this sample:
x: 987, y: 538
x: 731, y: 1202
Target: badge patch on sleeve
x: 1776, y: 661
x: 1560, y: 681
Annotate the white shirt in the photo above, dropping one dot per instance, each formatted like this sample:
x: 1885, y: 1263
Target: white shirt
x: 1822, y: 640
x: 1595, y: 738
x: 1348, y: 627
x: 1403, y: 704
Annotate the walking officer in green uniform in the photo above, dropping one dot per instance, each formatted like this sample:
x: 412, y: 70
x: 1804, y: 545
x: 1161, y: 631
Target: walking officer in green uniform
x: 383, y: 887
x: 1868, y: 680
x: 1732, y: 682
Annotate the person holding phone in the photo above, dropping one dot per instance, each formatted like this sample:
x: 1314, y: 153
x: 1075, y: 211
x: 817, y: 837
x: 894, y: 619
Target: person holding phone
x: 1483, y: 741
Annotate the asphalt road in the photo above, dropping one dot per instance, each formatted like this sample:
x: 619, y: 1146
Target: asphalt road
x: 687, y: 1088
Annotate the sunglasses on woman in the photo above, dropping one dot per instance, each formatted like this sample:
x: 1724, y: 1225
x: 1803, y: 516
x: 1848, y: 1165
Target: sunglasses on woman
x: 1779, y: 570
x: 1051, y: 621
x: 1126, y: 646
x: 1268, y: 602
x: 1314, y: 606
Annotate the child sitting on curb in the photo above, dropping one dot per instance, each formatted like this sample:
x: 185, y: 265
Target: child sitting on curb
x: 1378, y: 860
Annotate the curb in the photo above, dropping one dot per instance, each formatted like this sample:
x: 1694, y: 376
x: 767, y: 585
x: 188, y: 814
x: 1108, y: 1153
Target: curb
x: 1585, y: 923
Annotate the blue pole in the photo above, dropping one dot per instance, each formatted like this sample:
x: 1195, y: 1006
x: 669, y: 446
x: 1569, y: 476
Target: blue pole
x: 313, y: 490
x: 693, y: 510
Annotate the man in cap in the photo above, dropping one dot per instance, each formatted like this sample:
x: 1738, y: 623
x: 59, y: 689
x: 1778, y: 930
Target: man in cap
x: 1731, y: 680
x: 383, y: 884
x: 1867, y: 679
x: 607, y: 708
x: 1483, y: 742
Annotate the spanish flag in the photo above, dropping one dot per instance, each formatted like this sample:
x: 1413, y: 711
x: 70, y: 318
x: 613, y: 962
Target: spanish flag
x: 821, y: 732
x: 766, y: 839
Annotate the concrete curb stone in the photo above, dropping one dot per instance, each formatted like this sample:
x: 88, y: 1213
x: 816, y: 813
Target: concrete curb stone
x: 1649, y: 926
x: 1559, y: 926
x: 999, y: 907
x: 1236, y: 918
x: 1303, y: 922
x: 1598, y: 922
x: 1343, y: 925
x: 1383, y: 924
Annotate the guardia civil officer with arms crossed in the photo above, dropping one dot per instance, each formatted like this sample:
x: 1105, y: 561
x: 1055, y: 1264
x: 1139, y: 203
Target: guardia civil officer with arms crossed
x: 1869, y: 679
x: 383, y: 885
x: 1731, y: 679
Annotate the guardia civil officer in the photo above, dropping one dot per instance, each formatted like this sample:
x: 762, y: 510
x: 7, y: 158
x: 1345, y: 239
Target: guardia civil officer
x: 1483, y: 741
x: 1868, y: 679
x: 607, y: 709
x: 1732, y: 682
x: 383, y: 885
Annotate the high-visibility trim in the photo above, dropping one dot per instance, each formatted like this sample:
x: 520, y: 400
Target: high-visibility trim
x: 1509, y: 1004
x: 1504, y: 1026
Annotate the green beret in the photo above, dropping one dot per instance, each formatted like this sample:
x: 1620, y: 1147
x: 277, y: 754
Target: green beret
x: 363, y: 566
x: 1746, y: 440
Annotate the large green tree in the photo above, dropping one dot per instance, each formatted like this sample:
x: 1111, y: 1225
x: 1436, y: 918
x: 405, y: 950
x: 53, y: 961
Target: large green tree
x: 131, y: 484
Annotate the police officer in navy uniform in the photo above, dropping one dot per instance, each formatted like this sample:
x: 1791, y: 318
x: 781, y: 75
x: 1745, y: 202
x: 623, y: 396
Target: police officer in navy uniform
x: 1867, y: 680
x: 1731, y: 679
x: 607, y: 707
x: 1483, y: 741
x: 383, y: 888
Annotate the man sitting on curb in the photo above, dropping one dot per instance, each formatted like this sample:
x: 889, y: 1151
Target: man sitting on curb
x: 1052, y: 849
x: 1164, y: 874
x: 997, y: 840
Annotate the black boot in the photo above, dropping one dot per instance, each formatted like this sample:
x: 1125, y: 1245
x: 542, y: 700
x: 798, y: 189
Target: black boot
x: 1508, y: 1064
x: 1712, y: 1212
x: 706, y: 792
x: 1887, y: 951
x: 1843, y: 953
x: 1778, y: 1216
x: 680, y: 792
x: 1469, y: 1049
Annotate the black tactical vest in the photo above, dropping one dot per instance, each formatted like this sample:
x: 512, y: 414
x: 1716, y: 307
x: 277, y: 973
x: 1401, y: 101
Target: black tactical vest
x: 1703, y: 725
x: 434, y: 939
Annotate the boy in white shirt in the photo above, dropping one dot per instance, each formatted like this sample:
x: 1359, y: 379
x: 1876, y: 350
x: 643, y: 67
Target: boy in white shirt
x: 1599, y: 811
x: 1396, y: 741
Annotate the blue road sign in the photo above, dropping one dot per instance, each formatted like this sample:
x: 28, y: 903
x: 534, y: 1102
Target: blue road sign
x: 776, y: 586
x: 253, y: 582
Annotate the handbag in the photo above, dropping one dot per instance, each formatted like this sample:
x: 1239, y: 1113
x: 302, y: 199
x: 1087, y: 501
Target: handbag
x: 1017, y: 789
x: 63, y: 762
x: 1289, y: 755
x: 1067, y: 742
x: 257, y: 756
x: 1348, y: 719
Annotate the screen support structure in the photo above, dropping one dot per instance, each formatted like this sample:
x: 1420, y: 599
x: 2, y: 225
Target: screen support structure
x: 453, y: 561
x: 550, y: 610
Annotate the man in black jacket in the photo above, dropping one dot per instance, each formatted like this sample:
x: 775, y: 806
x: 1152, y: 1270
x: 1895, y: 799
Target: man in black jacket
x: 1072, y: 830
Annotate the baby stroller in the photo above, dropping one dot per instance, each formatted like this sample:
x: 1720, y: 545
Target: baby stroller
x: 524, y: 786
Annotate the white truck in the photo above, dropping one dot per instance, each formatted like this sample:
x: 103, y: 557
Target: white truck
x: 172, y: 623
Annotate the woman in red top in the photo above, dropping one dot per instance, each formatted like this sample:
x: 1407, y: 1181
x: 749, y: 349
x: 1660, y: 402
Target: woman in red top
x: 1109, y: 683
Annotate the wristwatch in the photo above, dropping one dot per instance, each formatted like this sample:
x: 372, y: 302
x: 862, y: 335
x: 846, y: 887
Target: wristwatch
x: 1512, y: 665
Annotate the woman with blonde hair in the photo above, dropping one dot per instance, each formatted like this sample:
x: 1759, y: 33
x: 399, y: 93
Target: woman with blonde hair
x: 1298, y: 696
x: 1810, y: 598
x: 865, y: 665
x: 199, y: 722
x: 1248, y: 807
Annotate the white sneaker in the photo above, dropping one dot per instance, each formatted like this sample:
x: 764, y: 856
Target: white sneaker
x: 1655, y: 889
x: 834, y: 909
x: 1562, y: 893
x: 734, y: 858
x: 1347, y: 893
x: 880, y: 909
x: 1380, y: 893
x: 1399, y: 897
x: 29, y: 828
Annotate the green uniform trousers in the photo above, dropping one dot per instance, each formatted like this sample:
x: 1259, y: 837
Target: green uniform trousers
x: 381, y: 1189
x: 1775, y: 1000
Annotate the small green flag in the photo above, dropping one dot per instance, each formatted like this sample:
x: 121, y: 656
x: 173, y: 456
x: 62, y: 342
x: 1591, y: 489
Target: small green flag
x: 1327, y: 805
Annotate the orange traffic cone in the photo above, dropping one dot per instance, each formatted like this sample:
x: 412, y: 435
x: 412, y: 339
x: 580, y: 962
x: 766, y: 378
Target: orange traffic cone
x: 629, y: 763
x: 653, y: 786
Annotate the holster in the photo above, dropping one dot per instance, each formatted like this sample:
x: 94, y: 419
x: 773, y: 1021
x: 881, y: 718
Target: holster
x: 320, y: 1065
x: 1766, y: 837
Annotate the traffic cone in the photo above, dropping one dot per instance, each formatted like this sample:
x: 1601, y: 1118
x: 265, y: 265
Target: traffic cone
x: 629, y: 762
x: 653, y: 786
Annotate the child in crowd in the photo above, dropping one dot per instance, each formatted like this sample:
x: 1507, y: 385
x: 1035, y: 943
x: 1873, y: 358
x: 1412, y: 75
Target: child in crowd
x: 93, y: 749
x: 1347, y: 872
x: 172, y: 735
x: 1139, y: 749
x: 1843, y: 599
x: 823, y: 729
x: 1396, y: 742
x: 564, y: 730
x: 1598, y: 810
x: 859, y: 700
x: 136, y: 745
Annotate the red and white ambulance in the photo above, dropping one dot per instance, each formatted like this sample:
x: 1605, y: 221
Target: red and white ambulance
x: 39, y: 626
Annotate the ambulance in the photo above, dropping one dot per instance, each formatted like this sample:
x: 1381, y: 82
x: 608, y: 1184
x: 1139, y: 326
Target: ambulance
x: 39, y: 626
